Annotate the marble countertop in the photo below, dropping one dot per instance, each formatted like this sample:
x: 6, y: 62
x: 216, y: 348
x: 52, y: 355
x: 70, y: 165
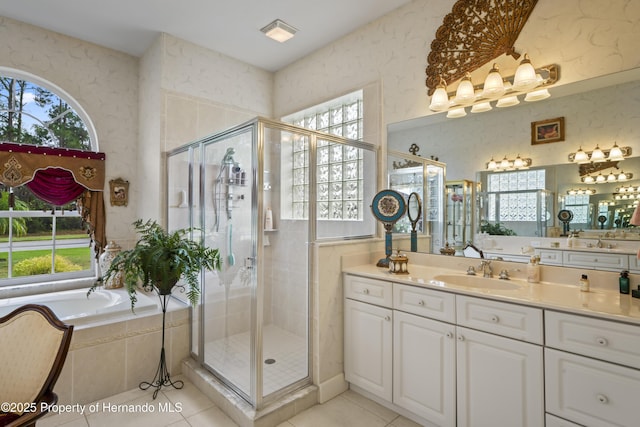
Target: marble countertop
x: 603, y: 303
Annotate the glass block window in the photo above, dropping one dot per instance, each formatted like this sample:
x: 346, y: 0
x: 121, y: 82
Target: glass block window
x: 578, y: 204
x: 514, y: 196
x: 339, y: 169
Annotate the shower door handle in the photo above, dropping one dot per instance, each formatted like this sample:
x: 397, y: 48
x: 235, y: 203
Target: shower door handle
x: 249, y: 262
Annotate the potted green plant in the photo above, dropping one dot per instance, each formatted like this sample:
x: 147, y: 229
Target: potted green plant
x: 159, y: 260
x: 156, y: 263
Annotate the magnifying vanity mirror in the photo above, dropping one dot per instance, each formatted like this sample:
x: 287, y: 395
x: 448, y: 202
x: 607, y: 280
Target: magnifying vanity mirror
x: 414, y: 212
x: 597, y: 111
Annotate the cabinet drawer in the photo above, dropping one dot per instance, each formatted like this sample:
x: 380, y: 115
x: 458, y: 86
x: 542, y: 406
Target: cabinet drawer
x: 634, y: 264
x: 590, y: 392
x: 599, y: 261
x: 425, y: 302
x: 373, y: 291
x: 551, y: 421
x: 602, y: 339
x: 509, y: 320
x: 550, y: 257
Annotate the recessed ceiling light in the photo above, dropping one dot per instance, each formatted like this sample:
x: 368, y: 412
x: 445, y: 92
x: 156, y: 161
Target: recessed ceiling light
x: 279, y: 31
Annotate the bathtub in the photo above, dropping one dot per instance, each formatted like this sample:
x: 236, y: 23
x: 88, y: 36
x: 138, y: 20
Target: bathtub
x: 74, y: 307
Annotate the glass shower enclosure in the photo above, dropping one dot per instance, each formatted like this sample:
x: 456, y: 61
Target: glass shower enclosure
x: 255, y: 192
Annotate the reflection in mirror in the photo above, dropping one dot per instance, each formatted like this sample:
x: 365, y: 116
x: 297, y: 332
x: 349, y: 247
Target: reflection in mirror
x: 409, y: 174
x: 414, y: 211
x: 600, y: 111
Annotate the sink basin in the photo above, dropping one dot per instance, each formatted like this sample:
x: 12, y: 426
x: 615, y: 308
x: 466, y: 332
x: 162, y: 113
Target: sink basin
x: 478, y: 282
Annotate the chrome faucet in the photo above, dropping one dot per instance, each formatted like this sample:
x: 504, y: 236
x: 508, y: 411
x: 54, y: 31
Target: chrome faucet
x: 485, y: 267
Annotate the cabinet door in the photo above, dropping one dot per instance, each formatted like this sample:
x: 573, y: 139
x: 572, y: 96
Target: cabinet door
x: 424, y: 368
x: 368, y: 344
x: 500, y: 381
x: 590, y: 392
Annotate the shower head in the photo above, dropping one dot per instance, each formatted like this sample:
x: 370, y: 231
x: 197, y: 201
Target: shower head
x: 228, y: 156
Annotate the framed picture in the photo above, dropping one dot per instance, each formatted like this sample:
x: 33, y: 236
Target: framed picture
x: 119, y: 192
x: 545, y: 131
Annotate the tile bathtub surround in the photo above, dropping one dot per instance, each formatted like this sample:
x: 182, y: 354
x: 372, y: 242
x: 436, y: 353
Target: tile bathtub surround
x: 190, y: 407
x: 106, y: 359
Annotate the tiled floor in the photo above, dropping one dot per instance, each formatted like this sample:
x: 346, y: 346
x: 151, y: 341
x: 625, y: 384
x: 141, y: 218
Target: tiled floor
x: 286, y: 352
x: 189, y: 407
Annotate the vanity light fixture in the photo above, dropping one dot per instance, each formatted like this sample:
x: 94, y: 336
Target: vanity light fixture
x: 532, y: 83
x: 506, y: 164
x: 614, y: 154
x: 611, y: 177
x: 279, y: 30
x: 580, y: 191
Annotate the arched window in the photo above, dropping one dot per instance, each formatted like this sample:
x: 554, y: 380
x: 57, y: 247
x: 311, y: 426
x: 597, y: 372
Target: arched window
x: 42, y: 239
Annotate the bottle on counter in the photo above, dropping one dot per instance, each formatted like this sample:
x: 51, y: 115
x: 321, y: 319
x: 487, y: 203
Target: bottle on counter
x: 584, y: 283
x: 624, y: 282
x: 533, y: 269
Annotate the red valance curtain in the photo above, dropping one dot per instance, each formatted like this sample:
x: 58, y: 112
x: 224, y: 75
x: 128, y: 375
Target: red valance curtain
x: 59, y: 176
x: 55, y: 186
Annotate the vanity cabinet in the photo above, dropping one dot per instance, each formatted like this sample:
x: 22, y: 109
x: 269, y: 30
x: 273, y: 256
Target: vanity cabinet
x: 590, y: 370
x: 368, y: 335
x: 499, y: 363
x: 456, y: 360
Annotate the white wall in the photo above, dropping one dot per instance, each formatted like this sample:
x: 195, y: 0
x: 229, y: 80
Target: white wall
x: 586, y: 38
x: 105, y: 84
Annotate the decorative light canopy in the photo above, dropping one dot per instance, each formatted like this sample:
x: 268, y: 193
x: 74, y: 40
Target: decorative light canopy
x: 614, y: 154
x: 506, y: 164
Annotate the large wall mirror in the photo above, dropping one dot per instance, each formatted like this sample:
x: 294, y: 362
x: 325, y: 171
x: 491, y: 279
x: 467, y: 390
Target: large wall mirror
x: 597, y: 112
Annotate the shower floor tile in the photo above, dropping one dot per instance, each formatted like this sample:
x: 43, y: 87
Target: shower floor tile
x: 231, y: 357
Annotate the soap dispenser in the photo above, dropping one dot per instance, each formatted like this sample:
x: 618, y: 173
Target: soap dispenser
x: 533, y: 269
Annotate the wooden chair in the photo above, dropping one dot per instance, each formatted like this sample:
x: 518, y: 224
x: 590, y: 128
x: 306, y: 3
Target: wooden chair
x: 33, y: 347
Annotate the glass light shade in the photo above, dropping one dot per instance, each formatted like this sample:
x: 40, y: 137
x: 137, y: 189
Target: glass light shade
x: 537, y: 95
x: 597, y: 155
x: 571, y: 192
x: 465, y: 94
x: 456, y: 113
x: 588, y: 179
x: 616, y: 153
x: 439, y: 99
x: 525, y: 77
x: 518, y: 163
x: 600, y: 179
x: 481, y: 107
x: 492, y: 165
x: 505, y: 163
x: 581, y: 156
x: 622, y: 176
x: 621, y: 190
x: 493, y: 85
x: 509, y: 101
x: 611, y: 177
x: 589, y: 192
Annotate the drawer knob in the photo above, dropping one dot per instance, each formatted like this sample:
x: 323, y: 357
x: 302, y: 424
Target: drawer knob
x: 387, y: 318
x: 449, y: 335
x: 495, y: 319
x: 365, y: 291
x: 602, y: 398
x: 602, y: 341
x: 460, y: 337
x: 421, y: 302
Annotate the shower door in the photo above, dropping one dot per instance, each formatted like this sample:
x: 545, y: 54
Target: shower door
x: 228, y: 223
